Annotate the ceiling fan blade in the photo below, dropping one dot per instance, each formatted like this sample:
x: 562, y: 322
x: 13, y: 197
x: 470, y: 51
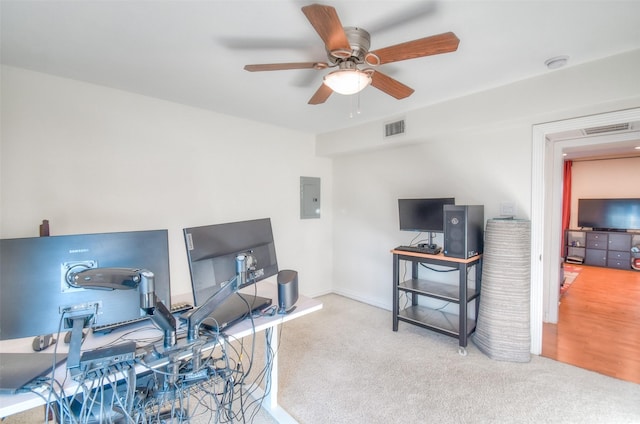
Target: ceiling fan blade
x: 327, y: 24
x: 285, y: 66
x: 435, y: 44
x: 390, y: 86
x: 321, y: 95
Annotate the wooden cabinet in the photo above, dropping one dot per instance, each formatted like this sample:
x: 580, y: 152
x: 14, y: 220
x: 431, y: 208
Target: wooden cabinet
x: 599, y: 248
x: 596, y: 252
x: 619, y: 250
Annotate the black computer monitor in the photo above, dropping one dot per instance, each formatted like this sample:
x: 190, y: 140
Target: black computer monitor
x: 212, y: 250
x: 426, y: 215
x: 34, y: 287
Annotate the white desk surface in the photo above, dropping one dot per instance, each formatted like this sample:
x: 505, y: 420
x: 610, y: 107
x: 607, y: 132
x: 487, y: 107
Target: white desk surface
x: 12, y: 404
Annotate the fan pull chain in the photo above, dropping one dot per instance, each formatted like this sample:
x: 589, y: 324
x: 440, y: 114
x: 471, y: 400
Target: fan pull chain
x: 357, y: 106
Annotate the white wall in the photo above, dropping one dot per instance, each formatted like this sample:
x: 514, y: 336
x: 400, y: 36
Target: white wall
x: 477, y: 149
x: 610, y: 178
x: 368, y: 184
x: 92, y: 159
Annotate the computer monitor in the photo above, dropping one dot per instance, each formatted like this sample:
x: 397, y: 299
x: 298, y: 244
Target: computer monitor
x: 34, y: 279
x: 425, y: 215
x: 212, y: 250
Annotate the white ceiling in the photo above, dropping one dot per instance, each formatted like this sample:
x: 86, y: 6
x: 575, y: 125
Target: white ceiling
x: 193, y: 52
x: 604, y: 142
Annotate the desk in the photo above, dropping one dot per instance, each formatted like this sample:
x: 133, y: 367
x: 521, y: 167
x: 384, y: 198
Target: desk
x: 12, y: 404
x: 460, y: 326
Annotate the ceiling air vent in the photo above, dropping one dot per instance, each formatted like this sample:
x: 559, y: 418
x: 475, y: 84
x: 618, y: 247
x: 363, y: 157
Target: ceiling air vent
x: 606, y: 129
x: 394, y: 128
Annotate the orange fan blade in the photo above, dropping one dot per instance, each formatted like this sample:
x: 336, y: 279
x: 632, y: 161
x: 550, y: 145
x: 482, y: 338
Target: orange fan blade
x: 321, y: 95
x: 285, y: 66
x: 327, y: 24
x: 390, y: 86
x: 436, y: 44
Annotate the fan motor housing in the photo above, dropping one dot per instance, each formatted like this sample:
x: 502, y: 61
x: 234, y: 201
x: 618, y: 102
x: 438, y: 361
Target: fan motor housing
x: 359, y: 41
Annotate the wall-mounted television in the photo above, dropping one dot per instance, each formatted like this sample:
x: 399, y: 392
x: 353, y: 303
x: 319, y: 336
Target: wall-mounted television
x: 609, y: 214
x: 425, y: 215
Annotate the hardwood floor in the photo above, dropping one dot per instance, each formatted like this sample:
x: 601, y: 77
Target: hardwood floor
x: 599, y: 324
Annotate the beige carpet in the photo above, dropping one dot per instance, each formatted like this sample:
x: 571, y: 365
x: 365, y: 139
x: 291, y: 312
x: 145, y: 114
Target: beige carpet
x: 344, y: 364
x: 348, y: 366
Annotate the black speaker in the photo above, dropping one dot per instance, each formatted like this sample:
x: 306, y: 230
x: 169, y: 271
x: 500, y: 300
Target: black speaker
x: 287, y: 290
x: 463, y: 230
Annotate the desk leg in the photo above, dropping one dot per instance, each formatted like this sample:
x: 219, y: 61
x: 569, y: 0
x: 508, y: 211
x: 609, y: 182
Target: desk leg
x: 478, y: 286
x: 270, y: 402
x: 414, y: 275
x: 396, y: 281
x: 462, y: 326
x: 271, y: 357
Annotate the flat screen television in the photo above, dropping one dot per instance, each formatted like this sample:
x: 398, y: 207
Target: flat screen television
x: 212, y: 249
x: 425, y: 215
x: 609, y: 214
x: 34, y: 287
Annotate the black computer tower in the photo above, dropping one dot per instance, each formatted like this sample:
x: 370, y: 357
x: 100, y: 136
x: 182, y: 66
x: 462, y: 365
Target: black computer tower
x: 463, y: 230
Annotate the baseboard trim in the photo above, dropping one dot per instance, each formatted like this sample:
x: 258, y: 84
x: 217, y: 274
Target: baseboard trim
x: 359, y: 298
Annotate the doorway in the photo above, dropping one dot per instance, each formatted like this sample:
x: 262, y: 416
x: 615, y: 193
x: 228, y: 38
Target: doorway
x: 550, y: 141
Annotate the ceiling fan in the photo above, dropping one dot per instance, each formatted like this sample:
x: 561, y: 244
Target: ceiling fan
x: 348, y: 49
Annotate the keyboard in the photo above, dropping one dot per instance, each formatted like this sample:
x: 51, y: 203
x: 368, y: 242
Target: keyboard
x: 421, y: 249
x: 176, y: 308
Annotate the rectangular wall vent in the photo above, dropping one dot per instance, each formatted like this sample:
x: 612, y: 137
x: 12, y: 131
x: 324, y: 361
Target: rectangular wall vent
x: 394, y: 128
x: 606, y: 129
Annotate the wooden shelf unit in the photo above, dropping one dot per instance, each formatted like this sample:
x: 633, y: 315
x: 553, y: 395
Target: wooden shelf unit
x: 610, y: 249
x: 458, y: 325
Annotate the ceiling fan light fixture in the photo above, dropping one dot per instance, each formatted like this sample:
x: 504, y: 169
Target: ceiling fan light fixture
x: 347, y: 81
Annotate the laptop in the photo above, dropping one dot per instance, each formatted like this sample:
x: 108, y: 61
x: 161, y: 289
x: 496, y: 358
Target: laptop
x: 234, y: 310
x: 19, y: 369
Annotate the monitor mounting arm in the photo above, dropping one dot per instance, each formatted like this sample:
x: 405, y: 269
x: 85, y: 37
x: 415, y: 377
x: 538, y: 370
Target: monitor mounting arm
x: 244, y: 268
x: 130, y: 279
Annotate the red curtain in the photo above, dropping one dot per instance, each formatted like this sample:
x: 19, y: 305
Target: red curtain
x: 566, y: 197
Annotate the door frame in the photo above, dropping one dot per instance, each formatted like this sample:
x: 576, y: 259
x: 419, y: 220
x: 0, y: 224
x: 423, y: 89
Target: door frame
x: 546, y: 207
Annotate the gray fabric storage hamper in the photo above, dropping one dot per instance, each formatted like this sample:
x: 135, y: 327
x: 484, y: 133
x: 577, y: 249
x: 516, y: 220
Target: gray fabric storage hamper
x: 503, y: 327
